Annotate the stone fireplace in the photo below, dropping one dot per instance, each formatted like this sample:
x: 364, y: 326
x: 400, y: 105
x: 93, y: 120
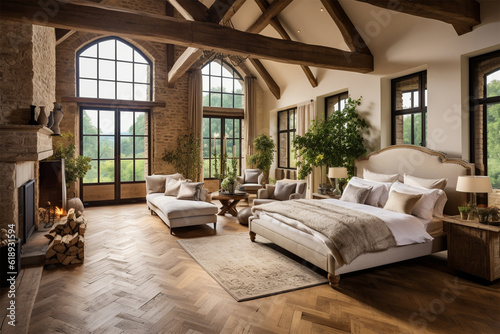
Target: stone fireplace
x: 22, y: 147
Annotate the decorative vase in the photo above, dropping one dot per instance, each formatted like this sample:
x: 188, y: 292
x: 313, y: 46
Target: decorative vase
x: 33, y: 118
x: 58, y: 115
x: 51, y: 119
x: 42, y: 117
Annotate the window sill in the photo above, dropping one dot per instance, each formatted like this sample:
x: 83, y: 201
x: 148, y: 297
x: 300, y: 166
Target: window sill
x: 111, y: 102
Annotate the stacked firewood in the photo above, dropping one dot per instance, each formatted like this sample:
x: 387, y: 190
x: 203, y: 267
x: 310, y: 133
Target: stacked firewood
x: 67, y: 242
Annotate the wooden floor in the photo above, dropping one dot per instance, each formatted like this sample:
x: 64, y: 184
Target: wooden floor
x: 137, y: 279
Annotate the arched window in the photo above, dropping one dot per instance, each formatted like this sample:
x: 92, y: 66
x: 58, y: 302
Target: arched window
x: 222, y: 116
x: 111, y: 68
x: 222, y: 85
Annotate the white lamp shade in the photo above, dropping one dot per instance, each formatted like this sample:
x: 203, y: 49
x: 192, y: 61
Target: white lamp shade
x: 474, y: 184
x: 337, y: 172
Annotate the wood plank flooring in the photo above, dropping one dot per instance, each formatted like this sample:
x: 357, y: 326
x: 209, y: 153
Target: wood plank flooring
x: 137, y: 279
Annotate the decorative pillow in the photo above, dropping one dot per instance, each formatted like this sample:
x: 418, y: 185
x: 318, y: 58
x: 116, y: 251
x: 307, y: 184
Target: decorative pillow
x: 379, y: 193
x: 172, y: 186
x: 190, y: 191
x: 301, y: 187
x: 425, y: 206
x: 372, y: 176
x: 355, y: 194
x: 401, y: 202
x: 252, y: 175
x: 425, y: 183
x: 176, y: 176
x: 283, y: 190
x: 155, y: 183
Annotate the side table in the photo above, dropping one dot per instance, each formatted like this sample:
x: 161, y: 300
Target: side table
x: 473, y: 248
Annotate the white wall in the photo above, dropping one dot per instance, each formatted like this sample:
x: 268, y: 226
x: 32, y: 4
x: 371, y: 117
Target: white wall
x: 401, y: 44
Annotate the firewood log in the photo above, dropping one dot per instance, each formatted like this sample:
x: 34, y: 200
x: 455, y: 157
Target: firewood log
x: 61, y: 257
x: 50, y: 251
x: 68, y: 260
x: 76, y: 261
x: 57, y: 239
x: 60, y: 248
x: 51, y: 235
x: 81, y: 241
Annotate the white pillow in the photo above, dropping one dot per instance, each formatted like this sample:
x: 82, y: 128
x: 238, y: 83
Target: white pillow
x: 172, y: 186
x: 377, y: 177
x: 425, y: 183
x: 378, y: 195
x: 425, y: 205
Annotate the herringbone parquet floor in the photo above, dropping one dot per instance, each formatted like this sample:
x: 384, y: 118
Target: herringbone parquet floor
x: 137, y: 279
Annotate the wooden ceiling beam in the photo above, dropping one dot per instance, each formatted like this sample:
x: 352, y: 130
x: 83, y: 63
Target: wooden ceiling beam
x: 349, y: 32
x: 190, y: 10
x: 276, y: 24
x: 97, y: 18
x: 462, y: 14
x: 62, y: 35
x: 222, y: 10
x: 268, y: 79
x: 273, y: 10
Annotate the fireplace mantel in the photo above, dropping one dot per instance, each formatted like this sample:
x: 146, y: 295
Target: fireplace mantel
x: 25, y: 143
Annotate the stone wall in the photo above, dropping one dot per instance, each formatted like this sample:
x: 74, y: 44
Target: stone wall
x: 44, y: 70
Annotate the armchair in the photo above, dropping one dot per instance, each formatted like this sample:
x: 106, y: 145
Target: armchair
x: 251, y: 180
x: 282, y: 191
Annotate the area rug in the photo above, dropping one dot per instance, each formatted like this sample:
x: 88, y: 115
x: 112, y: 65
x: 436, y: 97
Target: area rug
x: 249, y: 270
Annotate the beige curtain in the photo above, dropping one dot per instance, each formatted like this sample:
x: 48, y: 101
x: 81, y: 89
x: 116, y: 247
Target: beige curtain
x: 250, y: 114
x: 195, y: 107
x: 306, y: 112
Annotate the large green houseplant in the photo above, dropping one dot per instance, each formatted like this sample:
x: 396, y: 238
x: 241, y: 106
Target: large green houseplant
x: 264, y: 155
x: 74, y: 166
x: 186, y: 157
x: 334, y: 142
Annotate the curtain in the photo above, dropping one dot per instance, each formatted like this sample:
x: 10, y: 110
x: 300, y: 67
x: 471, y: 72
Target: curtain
x: 250, y: 113
x: 306, y: 112
x: 195, y: 108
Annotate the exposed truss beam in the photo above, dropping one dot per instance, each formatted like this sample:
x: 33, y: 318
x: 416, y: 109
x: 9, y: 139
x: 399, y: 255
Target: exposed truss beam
x: 273, y: 10
x: 276, y: 24
x: 268, y: 79
x: 223, y: 10
x: 97, y: 18
x: 462, y: 14
x: 190, y: 10
x: 349, y: 32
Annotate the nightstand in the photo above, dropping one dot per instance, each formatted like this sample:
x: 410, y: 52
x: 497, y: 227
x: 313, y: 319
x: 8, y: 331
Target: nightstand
x: 326, y: 196
x: 472, y: 247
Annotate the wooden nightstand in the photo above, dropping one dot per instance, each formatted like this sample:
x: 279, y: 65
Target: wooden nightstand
x: 321, y: 196
x: 472, y: 247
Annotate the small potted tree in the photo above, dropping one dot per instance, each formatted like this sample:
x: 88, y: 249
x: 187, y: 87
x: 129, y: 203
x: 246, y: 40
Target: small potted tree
x: 464, y: 210
x: 264, y: 156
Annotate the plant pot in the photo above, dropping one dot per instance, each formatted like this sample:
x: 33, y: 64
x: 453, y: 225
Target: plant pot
x: 483, y: 218
x: 464, y: 215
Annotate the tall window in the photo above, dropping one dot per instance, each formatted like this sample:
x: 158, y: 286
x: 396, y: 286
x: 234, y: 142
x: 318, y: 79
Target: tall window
x: 111, y: 68
x: 485, y: 116
x: 335, y: 102
x: 287, y: 124
x: 222, y: 85
x: 409, y: 109
x: 104, y: 142
x: 222, y: 116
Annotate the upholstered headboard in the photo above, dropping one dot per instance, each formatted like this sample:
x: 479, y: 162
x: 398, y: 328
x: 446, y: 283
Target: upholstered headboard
x: 420, y: 162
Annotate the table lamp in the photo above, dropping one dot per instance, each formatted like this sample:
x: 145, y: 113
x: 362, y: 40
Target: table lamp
x: 474, y: 185
x: 337, y: 173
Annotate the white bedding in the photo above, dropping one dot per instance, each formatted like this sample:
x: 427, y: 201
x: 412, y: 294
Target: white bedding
x: 407, y: 229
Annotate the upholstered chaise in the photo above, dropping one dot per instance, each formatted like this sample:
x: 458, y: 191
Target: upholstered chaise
x: 177, y: 212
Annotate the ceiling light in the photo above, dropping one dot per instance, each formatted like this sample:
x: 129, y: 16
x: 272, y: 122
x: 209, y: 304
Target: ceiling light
x: 321, y: 9
x: 298, y: 31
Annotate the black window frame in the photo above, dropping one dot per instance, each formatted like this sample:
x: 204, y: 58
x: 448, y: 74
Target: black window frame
x: 236, y: 76
x: 339, y: 98
x: 420, y: 109
x: 116, y: 81
x: 288, y: 131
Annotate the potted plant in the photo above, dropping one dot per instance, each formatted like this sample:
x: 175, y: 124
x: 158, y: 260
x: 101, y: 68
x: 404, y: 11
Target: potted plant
x: 264, y: 156
x: 186, y: 157
x: 334, y: 142
x: 229, y: 182
x: 464, y: 211
x: 483, y: 215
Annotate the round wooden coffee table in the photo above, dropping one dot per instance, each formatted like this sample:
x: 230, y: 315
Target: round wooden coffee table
x: 229, y: 201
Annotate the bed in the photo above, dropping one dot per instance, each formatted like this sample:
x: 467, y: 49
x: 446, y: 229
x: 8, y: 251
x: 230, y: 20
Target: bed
x: 401, y: 161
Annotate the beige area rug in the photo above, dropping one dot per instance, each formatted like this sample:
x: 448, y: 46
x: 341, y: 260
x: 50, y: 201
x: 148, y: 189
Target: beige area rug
x: 249, y: 270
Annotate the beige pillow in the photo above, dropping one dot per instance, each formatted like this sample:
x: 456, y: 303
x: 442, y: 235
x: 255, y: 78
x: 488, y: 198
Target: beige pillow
x: 172, y: 186
x: 355, y: 194
x: 378, y: 177
x: 425, y: 183
x: 401, y: 202
x: 155, y: 183
x: 252, y: 175
x: 190, y: 191
x: 283, y: 190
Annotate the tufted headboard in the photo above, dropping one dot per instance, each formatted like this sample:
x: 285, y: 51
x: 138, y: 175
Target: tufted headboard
x: 420, y: 162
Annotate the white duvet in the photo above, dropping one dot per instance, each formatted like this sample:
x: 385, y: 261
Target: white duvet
x: 407, y: 229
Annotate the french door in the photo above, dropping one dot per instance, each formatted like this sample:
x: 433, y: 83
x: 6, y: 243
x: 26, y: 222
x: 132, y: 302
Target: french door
x: 117, y: 141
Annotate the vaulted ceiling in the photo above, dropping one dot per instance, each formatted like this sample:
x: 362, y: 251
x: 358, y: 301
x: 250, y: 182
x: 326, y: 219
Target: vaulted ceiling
x: 262, y: 31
